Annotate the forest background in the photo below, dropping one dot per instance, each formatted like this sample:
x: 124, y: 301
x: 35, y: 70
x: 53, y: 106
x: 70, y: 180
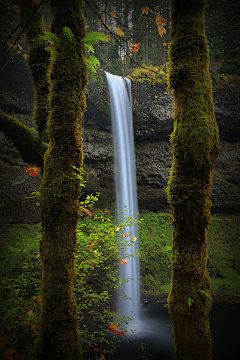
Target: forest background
x: 132, y: 26
x: 223, y: 37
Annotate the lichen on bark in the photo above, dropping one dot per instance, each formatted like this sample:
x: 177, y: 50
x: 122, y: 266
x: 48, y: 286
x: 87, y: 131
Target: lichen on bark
x: 195, y: 151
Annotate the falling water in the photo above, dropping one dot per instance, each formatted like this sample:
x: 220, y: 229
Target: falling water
x: 126, y: 186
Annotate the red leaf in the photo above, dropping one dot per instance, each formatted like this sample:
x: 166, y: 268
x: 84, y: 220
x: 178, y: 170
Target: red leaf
x: 91, y: 245
x: 32, y: 170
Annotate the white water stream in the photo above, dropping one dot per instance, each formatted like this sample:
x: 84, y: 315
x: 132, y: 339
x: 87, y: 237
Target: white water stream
x: 126, y: 186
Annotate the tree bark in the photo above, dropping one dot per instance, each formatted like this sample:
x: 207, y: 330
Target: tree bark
x: 195, y: 150
x: 60, y: 189
x: 38, y: 62
x: 30, y: 148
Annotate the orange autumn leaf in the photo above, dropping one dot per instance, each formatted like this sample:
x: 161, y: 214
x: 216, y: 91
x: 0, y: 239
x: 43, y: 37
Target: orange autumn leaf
x: 124, y: 262
x: 109, y: 38
x: 91, y: 245
x: 113, y: 14
x: 161, y: 30
x: 136, y: 47
x: 39, y: 300
x: 160, y: 20
x: 145, y: 10
x: 118, y: 31
x: 164, y: 44
x: 113, y: 328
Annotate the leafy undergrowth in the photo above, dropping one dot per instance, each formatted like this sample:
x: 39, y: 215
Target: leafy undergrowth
x: 97, y: 253
x: 20, y: 269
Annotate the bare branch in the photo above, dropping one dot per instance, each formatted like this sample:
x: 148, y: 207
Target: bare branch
x: 116, y: 38
x: 21, y: 32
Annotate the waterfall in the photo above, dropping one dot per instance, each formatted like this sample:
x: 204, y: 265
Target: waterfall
x: 126, y: 186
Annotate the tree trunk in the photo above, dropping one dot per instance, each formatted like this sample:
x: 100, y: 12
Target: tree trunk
x: 195, y: 149
x: 38, y: 61
x: 60, y: 189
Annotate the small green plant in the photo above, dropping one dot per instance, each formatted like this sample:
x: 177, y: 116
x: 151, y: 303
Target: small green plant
x: 205, y: 293
x: 190, y: 302
x: 68, y: 34
x: 92, y: 38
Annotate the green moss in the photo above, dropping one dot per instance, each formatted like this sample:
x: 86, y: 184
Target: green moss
x: 60, y: 189
x: 38, y: 61
x: 30, y: 148
x: 195, y: 150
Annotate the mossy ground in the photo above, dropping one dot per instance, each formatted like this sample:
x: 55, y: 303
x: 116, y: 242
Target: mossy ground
x: 223, y: 249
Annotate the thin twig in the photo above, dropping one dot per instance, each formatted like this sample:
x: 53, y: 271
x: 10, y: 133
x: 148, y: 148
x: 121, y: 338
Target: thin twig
x: 115, y: 18
x: 115, y: 36
x: 24, y: 27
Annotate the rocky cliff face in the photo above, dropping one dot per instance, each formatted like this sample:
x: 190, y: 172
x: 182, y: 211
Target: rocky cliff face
x: 153, y: 124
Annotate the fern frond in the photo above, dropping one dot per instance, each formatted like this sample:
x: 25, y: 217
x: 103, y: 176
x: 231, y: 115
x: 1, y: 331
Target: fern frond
x: 49, y: 37
x: 94, y: 37
x: 68, y: 33
x: 90, y: 47
x: 93, y: 60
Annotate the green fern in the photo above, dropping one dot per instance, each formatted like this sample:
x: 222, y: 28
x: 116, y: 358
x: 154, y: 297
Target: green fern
x: 68, y: 33
x: 92, y: 60
x: 90, y: 47
x: 49, y: 37
x: 94, y: 37
x: 205, y: 293
x: 190, y: 301
x: 50, y: 40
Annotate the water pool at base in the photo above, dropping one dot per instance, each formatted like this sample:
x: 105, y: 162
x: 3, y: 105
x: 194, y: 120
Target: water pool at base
x: 155, y: 331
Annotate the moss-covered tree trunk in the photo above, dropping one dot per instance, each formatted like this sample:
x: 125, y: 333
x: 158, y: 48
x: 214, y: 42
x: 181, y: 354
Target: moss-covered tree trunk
x: 60, y: 189
x: 195, y: 149
x: 29, y: 146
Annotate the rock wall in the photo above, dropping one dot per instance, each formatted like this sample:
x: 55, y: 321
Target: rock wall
x: 153, y: 124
